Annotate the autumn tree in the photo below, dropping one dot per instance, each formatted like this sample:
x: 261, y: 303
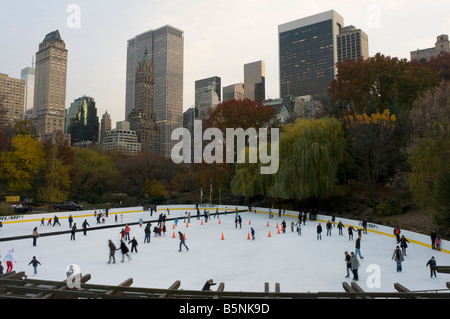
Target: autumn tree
x: 380, y: 82
x: 373, y: 147
x: 21, y: 165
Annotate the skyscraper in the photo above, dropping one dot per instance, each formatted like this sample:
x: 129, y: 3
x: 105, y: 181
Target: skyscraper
x: 255, y: 81
x: 205, y: 86
x: 166, y: 53
x: 105, y: 125
x: 50, y: 85
x: 27, y: 74
x: 12, y: 97
x: 143, y: 119
x: 308, y: 54
x: 233, y: 92
x: 84, y: 127
x: 352, y: 44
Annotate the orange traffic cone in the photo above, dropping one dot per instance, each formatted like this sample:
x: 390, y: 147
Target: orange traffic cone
x: 187, y: 224
x: 219, y: 220
x: 269, y: 234
x: 277, y: 225
x: 173, y: 235
x: 267, y: 224
x: 222, y: 237
x: 173, y: 226
x: 248, y: 237
x: 184, y: 236
x: 249, y: 222
x: 278, y: 230
x: 202, y: 222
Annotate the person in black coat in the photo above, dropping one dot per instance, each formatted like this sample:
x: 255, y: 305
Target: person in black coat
x: 124, y: 250
x: 85, y: 226
x: 319, y: 232
x: 182, y: 241
x: 403, y: 244
x: 432, y: 263
x: 134, y: 244
x: 208, y: 284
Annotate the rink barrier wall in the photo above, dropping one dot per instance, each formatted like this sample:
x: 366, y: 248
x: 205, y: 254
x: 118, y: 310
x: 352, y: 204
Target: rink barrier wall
x: 65, y: 215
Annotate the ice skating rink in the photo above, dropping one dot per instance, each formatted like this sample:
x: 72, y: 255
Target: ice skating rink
x: 222, y: 252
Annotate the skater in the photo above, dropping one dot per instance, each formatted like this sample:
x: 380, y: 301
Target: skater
x: 398, y: 258
x: 35, y: 235
x: 403, y: 244
x: 73, y: 231
x: 56, y: 221
x: 140, y: 222
x: 355, y: 265
x: 9, y: 258
x: 283, y: 226
x: 299, y: 227
x: 253, y: 233
x: 358, y: 248
x: 208, y: 284
x: 240, y: 221
x: 134, y: 244
x: 328, y: 226
x: 348, y: 264
x: 364, y: 225
x: 127, y: 232
x: 147, y: 232
x: 397, y: 233
x: 304, y: 219
x: 182, y: 241
x: 437, y: 243
x: 124, y: 250
x: 433, y: 239
x: 432, y: 264
x: 42, y: 222
x: 112, y: 252
x: 70, y: 221
x: 35, y: 263
x: 319, y: 232
x: 350, y: 232
x: 292, y: 226
x: 85, y: 226
x: 340, y: 226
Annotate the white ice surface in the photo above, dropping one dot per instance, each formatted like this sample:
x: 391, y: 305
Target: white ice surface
x: 298, y: 263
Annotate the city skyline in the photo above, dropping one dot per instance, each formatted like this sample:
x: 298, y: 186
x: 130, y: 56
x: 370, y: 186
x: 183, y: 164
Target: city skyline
x: 213, y: 33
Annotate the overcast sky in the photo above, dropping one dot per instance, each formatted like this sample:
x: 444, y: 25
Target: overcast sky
x: 220, y: 36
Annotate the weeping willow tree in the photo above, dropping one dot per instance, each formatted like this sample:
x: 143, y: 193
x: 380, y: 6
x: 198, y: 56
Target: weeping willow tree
x: 311, y: 152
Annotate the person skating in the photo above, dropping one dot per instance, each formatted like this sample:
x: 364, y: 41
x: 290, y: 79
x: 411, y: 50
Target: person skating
x: 348, y: 264
x: 253, y: 233
x: 35, y: 263
x: 56, y: 221
x: 127, y: 232
x: 432, y: 264
x: 134, y: 244
x: 112, y: 252
x: 397, y: 233
x: 73, y: 231
x: 355, y: 266
x: 340, y: 226
x: 398, y: 258
x: 85, y: 226
x: 35, y: 235
x: 124, y: 250
x: 181, y: 236
x: 70, y: 221
x: 433, y: 239
x: 403, y: 244
x: 9, y: 258
x: 147, y: 232
x: 350, y: 232
x: 329, y: 226
x: 319, y: 232
x: 358, y: 248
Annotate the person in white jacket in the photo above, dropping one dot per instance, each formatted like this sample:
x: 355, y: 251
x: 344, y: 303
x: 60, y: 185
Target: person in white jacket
x: 9, y: 260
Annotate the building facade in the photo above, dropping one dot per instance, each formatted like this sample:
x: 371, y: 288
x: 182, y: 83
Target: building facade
x: 28, y: 74
x: 442, y: 45
x: 205, y: 86
x: 50, y: 85
x: 122, y: 139
x: 233, y: 92
x: 166, y: 53
x: 308, y: 54
x: 12, y: 99
x: 255, y: 81
x: 143, y: 117
x: 352, y: 44
x: 84, y: 126
x: 105, y: 125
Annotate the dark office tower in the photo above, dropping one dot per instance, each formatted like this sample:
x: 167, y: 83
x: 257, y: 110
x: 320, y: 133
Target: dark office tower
x: 166, y: 53
x: 308, y: 54
x: 143, y: 119
x: 50, y: 85
x: 205, y: 86
x: 84, y: 127
x: 105, y: 125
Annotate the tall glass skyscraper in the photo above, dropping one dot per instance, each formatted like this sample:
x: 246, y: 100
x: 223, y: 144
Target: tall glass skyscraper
x: 165, y: 47
x: 308, y: 54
